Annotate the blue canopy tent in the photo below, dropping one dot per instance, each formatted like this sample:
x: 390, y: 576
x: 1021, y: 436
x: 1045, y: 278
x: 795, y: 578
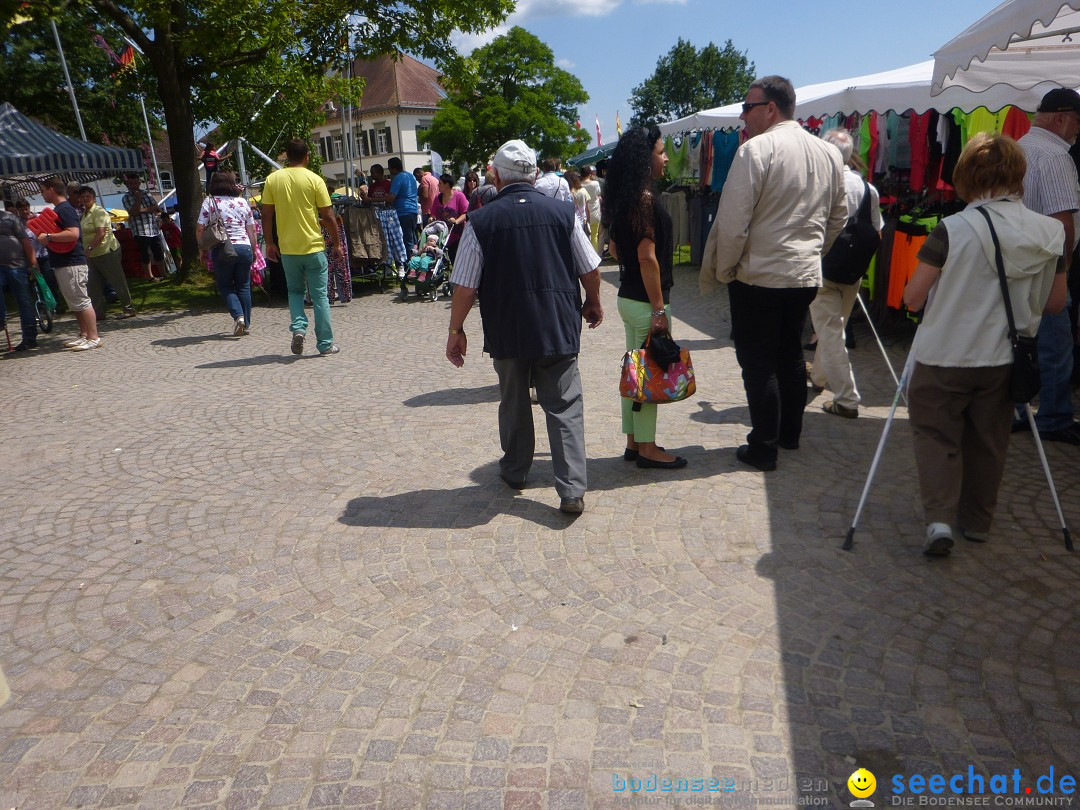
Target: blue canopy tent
x: 30, y: 151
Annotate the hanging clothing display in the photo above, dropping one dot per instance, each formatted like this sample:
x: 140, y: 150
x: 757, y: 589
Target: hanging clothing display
x: 674, y: 203
x: 909, y: 237
x: 725, y: 145
x: 678, y: 152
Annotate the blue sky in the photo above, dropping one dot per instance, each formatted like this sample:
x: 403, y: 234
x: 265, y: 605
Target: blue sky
x: 613, y: 45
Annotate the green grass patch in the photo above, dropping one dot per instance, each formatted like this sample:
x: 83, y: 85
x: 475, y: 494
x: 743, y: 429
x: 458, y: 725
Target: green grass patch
x: 198, y: 292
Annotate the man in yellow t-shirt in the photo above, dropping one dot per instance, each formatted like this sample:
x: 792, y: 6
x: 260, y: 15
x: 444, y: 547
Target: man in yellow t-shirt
x: 294, y: 203
x: 102, y: 255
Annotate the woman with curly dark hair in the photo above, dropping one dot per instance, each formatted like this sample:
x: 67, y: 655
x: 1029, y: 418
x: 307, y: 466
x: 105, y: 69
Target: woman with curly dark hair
x: 641, y: 241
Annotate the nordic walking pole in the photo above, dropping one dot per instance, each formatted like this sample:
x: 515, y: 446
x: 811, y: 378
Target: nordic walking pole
x: 1049, y: 480
x: 909, y: 364
x: 869, y: 320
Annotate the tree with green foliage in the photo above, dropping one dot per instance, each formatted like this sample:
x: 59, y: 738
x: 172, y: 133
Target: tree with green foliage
x: 687, y: 80
x: 213, y: 61
x: 509, y: 88
x: 32, y: 78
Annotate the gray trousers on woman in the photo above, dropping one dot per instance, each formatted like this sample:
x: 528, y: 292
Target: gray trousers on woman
x: 107, y: 268
x: 558, y: 390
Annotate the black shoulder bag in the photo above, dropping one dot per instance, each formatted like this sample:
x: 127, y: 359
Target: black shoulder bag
x: 1025, y: 382
x: 855, y: 246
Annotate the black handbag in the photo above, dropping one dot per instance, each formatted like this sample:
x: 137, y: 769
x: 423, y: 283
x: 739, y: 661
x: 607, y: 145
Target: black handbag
x: 1026, y: 381
x: 854, y: 248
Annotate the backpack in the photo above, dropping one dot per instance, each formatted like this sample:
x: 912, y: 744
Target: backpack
x: 850, y: 254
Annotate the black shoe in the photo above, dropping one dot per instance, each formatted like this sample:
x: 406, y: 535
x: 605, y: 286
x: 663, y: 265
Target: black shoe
x: 27, y: 346
x: 1068, y: 435
x: 789, y: 445
x: 572, y: 506
x: 746, y: 455
x: 632, y: 455
x: 519, y: 485
x: 649, y: 464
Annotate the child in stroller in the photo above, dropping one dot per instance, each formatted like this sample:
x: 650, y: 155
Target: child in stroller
x: 428, y: 267
x: 419, y: 263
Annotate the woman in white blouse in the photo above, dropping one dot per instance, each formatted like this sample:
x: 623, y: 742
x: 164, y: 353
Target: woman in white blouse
x: 232, y: 268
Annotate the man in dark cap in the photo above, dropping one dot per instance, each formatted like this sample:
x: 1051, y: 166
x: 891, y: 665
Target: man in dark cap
x: 1050, y: 188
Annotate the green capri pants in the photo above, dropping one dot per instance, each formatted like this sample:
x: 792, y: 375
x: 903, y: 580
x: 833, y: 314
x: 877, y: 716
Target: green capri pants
x: 637, y: 320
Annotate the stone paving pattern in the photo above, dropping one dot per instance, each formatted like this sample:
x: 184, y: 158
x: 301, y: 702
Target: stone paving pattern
x: 234, y: 578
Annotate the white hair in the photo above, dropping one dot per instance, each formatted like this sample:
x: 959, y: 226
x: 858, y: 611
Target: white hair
x: 841, y: 139
x: 508, y: 176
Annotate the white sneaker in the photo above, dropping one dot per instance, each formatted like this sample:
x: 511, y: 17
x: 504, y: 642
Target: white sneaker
x: 239, y: 327
x: 75, y: 341
x: 939, y: 540
x: 87, y: 345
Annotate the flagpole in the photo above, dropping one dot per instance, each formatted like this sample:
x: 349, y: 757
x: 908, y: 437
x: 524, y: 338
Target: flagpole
x: 67, y: 80
x: 146, y: 122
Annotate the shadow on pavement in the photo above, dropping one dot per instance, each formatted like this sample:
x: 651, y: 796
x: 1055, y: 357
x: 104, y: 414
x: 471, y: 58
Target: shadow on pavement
x: 463, y: 508
x: 191, y: 340
x: 455, y: 396
x: 260, y: 360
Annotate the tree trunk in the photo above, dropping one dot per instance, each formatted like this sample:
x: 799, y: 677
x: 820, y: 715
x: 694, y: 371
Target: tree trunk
x: 174, y: 90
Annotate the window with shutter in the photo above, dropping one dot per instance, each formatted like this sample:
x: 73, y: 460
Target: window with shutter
x: 389, y: 140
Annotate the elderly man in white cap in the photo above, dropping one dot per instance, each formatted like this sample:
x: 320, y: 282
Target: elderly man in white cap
x: 525, y: 255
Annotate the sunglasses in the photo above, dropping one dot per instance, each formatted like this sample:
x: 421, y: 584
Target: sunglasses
x: 749, y: 105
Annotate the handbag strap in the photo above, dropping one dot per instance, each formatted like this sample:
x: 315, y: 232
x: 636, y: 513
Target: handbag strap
x: 1001, y: 275
x: 863, y: 214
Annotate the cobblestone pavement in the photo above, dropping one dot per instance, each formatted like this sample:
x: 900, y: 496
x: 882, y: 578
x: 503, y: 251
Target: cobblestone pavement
x: 231, y: 577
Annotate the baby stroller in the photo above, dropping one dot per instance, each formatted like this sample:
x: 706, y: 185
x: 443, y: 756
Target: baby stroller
x: 430, y: 276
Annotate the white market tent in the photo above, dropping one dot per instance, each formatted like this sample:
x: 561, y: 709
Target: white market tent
x: 1022, y: 47
x: 906, y: 88
x: 1017, y: 77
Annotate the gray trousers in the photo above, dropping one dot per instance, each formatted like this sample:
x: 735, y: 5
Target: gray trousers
x: 107, y: 268
x: 558, y: 389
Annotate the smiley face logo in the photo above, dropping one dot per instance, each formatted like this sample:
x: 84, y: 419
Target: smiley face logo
x: 861, y: 783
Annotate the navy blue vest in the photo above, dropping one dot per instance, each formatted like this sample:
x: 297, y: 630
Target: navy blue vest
x: 530, y: 298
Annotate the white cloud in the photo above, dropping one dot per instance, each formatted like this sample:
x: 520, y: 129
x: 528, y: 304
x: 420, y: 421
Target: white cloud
x: 531, y: 9
x: 536, y: 9
x: 565, y: 64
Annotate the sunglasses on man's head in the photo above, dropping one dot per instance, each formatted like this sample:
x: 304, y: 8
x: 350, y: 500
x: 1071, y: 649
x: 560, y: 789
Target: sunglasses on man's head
x: 749, y: 105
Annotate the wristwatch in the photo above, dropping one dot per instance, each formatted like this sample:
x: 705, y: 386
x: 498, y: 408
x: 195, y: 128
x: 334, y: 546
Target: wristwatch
x: 454, y: 331
x: 659, y: 313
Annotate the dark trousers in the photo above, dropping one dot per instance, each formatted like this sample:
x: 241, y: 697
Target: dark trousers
x: 960, y: 421
x: 408, y: 228
x: 767, y: 325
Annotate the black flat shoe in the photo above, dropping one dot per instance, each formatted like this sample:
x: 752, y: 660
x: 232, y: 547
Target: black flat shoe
x: 649, y: 464
x: 632, y: 455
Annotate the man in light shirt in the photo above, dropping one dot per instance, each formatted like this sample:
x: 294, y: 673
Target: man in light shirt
x: 1050, y: 188
x: 552, y: 183
x: 782, y: 207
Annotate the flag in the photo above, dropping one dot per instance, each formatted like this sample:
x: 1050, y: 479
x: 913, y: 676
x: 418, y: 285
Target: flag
x: 618, y: 124
x: 599, y: 140
x: 127, y: 58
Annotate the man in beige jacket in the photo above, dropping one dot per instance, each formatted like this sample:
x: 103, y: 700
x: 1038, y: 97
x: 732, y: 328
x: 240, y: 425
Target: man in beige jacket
x: 782, y: 206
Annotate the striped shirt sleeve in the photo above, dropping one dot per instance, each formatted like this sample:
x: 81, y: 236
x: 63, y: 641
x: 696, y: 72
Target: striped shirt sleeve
x: 585, y: 258
x: 469, y: 261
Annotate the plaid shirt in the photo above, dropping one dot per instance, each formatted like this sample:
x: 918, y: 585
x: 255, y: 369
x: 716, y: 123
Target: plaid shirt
x: 142, y: 224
